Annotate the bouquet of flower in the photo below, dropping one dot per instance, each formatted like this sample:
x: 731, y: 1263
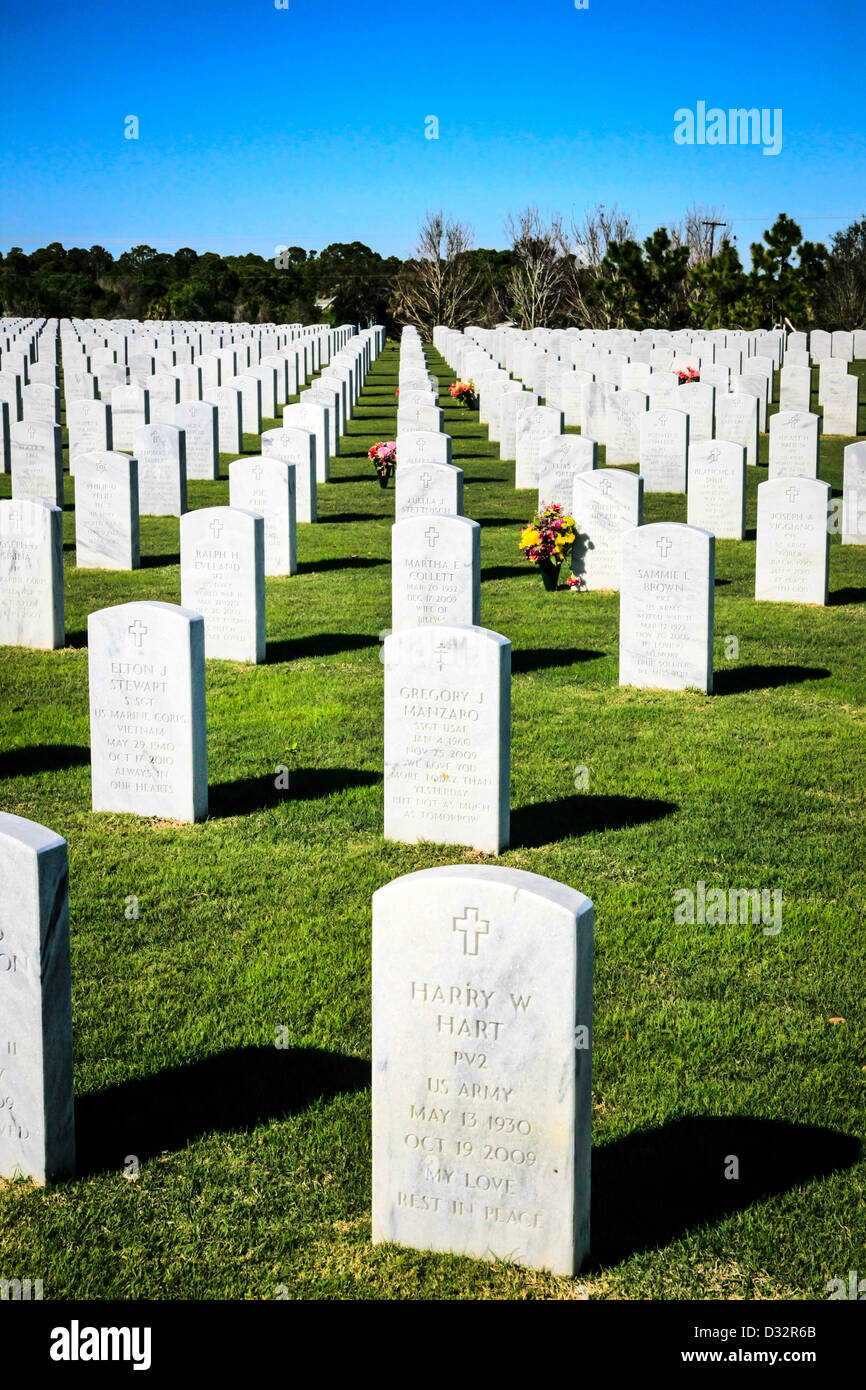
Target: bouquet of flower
x: 687, y: 375
x: 547, y: 541
x: 463, y: 392
x: 383, y: 456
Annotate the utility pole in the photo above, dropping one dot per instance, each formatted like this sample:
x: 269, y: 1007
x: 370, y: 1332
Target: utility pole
x: 713, y: 226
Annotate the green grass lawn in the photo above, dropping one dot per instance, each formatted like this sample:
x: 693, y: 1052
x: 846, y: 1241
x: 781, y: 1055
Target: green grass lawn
x: 709, y: 1041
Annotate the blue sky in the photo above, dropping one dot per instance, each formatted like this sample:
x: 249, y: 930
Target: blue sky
x: 260, y: 127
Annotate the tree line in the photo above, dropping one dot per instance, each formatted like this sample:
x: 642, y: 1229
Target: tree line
x: 596, y: 274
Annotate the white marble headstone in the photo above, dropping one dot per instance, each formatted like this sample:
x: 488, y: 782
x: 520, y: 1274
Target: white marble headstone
x: 666, y: 607
x: 435, y: 571
x: 31, y: 574
x: 148, y: 730
x: 161, y: 454
x: 106, y: 512
x: 36, y: 449
x: 792, y: 559
x: 199, y: 422
x: 448, y: 736
x: 664, y: 446
x: 854, y: 494
x: 297, y: 446
x: 794, y: 444
x: 605, y: 504
x: 37, y: 1120
x: 482, y: 1060
x: 266, y: 484
x: 717, y: 488
x: 222, y: 576
x: 427, y: 489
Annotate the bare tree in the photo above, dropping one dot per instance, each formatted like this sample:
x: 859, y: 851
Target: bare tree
x: 440, y: 284
x: 701, y: 230
x: 585, y: 301
x: 537, y: 281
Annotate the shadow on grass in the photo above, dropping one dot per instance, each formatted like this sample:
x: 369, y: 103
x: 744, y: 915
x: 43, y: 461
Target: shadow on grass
x: 742, y: 678
x: 508, y: 572
x: 233, y: 1090
x: 349, y: 562
x: 649, y: 1188
x: 250, y: 794
x: 545, y: 822
x: 319, y: 644
x: 149, y: 562
x: 352, y: 516
x: 849, y: 595
x: 47, y: 757
x: 540, y: 658
x: 350, y: 477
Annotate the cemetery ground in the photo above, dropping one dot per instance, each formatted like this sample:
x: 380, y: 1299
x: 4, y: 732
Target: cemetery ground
x: 221, y: 971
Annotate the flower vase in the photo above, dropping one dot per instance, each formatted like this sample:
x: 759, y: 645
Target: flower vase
x: 549, y: 575
x: 383, y: 479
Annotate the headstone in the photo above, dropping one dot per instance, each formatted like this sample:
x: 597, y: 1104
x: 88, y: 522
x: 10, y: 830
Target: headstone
x: 250, y: 390
x: 737, y: 421
x: 717, y: 488
x: 31, y: 574
x: 663, y: 450
x: 419, y: 417
x: 89, y: 426
x: 222, y: 576
x: 296, y: 446
x: 841, y: 397
x: 820, y: 345
x: 228, y: 403
x: 427, y: 489
x: 199, y: 423
x: 106, y: 512
x: 510, y: 404
x: 854, y: 494
x: 482, y: 1101
x: 435, y: 571
x: 698, y: 399
x: 605, y: 504
x: 795, y: 388
x: 666, y: 607
x: 164, y: 396
x: 267, y: 485
x: 623, y: 415
x: 793, y: 444
x: 419, y: 447
x: 448, y: 736
x: 148, y: 731
x: 130, y: 411
x: 161, y: 454
x: 793, y: 540
x: 534, y: 424
x: 561, y: 457
x: 37, y: 1130
x: 312, y: 416
x: 36, y: 449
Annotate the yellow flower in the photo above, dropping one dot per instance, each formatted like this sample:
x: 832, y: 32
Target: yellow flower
x: 529, y: 536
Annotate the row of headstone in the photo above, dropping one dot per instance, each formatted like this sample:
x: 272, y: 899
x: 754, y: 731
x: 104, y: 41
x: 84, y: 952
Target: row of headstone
x: 516, y: 1187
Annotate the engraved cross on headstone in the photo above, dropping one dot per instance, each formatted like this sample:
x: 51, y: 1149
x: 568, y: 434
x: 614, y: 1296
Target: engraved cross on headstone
x: 216, y: 528
x: 426, y: 479
x: 663, y: 545
x: 791, y: 494
x: 441, y: 651
x: 605, y: 486
x: 431, y: 535
x: 257, y: 472
x: 472, y: 925
x: 137, y: 632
